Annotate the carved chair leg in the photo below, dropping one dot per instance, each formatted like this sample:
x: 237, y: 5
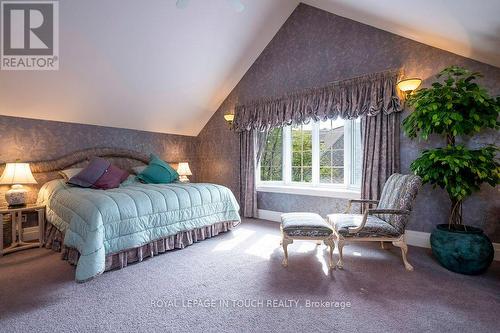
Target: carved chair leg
x: 285, y: 242
x: 331, y: 244
x: 340, y: 246
x: 382, y: 245
x: 401, y: 243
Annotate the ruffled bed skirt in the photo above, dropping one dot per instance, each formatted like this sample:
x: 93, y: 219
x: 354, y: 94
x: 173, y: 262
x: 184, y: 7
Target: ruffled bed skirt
x: 54, y: 240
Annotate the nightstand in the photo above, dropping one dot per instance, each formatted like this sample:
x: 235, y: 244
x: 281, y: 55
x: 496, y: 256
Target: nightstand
x: 16, y: 214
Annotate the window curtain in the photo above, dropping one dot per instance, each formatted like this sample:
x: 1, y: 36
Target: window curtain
x: 252, y: 145
x: 373, y: 97
x: 380, y: 135
x: 349, y: 99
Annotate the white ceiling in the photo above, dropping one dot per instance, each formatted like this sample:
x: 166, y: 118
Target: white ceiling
x: 145, y: 64
x: 470, y: 28
x: 148, y: 65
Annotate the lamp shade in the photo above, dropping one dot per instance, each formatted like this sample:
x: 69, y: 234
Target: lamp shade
x: 408, y: 85
x: 183, y: 169
x: 17, y: 173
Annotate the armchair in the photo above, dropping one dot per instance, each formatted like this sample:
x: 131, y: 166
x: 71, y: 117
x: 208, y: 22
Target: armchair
x: 386, y: 223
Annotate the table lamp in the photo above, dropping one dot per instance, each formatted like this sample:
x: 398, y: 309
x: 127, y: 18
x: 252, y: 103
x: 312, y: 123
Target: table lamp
x: 16, y: 174
x: 184, y: 171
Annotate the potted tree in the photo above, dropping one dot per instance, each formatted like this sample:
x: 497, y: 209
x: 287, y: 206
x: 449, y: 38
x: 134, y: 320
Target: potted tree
x: 456, y: 106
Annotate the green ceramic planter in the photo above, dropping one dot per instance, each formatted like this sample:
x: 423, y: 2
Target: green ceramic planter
x: 462, y: 251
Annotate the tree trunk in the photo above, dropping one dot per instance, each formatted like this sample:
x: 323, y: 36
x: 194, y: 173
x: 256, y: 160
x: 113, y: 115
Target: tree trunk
x: 456, y: 213
x: 450, y: 139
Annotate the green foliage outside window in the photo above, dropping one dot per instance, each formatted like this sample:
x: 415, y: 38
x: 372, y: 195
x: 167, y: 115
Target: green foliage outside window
x: 301, y: 154
x: 271, y: 166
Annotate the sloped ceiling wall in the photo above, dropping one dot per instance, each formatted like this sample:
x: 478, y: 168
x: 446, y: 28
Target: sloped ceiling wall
x: 150, y: 66
x: 144, y: 65
x: 315, y: 47
x: 468, y: 28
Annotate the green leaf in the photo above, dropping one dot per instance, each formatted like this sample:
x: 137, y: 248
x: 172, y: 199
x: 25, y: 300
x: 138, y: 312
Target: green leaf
x: 454, y: 105
x: 459, y: 107
x: 458, y: 169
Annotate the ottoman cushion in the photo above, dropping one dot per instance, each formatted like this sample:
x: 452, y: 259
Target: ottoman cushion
x: 305, y: 225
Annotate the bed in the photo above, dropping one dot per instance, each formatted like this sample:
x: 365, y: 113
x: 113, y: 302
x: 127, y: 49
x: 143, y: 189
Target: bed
x: 102, y: 230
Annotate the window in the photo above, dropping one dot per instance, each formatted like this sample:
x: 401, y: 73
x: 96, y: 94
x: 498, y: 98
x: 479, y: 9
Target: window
x: 271, y: 166
x: 302, y: 153
x: 324, y: 155
x: 331, y: 152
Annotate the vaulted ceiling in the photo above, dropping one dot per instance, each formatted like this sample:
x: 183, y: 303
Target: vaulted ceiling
x: 145, y: 65
x: 150, y: 65
x: 468, y: 28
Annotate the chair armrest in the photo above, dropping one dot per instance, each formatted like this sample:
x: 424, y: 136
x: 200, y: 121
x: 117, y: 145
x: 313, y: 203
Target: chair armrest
x: 388, y: 211
x: 361, y: 201
x: 355, y: 230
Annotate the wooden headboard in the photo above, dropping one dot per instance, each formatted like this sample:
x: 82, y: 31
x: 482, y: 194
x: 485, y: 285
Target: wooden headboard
x: 48, y: 170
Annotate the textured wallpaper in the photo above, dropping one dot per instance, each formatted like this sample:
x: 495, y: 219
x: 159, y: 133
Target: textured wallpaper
x: 35, y: 140
x: 32, y: 140
x: 313, y: 48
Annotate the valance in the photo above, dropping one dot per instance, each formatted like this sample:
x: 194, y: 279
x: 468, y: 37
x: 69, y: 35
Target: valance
x: 364, y: 95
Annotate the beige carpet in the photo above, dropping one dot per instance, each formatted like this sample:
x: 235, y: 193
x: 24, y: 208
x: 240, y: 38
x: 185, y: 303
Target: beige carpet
x: 235, y: 283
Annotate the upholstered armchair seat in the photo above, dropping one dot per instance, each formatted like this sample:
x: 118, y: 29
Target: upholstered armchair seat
x: 374, y: 227
x: 386, y: 223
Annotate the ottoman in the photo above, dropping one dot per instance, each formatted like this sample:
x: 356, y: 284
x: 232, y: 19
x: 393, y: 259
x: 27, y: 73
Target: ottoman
x: 305, y: 226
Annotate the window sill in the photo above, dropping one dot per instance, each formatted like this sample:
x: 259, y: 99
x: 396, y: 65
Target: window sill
x: 341, y: 193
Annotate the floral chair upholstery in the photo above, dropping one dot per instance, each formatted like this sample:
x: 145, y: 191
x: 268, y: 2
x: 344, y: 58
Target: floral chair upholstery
x: 385, y: 223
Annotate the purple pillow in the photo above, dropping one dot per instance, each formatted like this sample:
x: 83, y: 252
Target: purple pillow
x: 112, y: 178
x: 91, y: 173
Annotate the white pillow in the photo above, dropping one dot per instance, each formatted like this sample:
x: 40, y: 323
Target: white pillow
x: 138, y: 169
x: 69, y: 173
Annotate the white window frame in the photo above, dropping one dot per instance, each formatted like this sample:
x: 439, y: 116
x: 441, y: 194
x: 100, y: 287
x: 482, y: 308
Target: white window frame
x: 314, y: 188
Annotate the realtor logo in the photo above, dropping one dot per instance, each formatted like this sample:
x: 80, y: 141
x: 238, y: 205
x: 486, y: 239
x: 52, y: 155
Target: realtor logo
x: 30, y: 35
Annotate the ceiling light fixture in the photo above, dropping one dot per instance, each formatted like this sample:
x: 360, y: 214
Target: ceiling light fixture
x: 237, y: 5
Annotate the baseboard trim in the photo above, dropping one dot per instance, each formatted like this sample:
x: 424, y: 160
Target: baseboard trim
x: 414, y: 238
x: 418, y: 238
x: 496, y: 246
x: 269, y: 215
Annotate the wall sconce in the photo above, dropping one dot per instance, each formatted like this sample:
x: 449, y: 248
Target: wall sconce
x: 229, y: 117
x: 407, y: 86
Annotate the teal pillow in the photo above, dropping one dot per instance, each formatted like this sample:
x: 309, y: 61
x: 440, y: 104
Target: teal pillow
x: 158, y: 172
